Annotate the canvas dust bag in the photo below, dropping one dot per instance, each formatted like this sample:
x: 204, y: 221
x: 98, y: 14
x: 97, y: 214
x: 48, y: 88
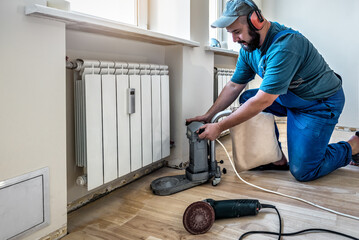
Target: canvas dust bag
x: 254, y: 142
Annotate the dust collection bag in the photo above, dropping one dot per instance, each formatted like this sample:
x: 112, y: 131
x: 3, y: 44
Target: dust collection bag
x: 254, y: 142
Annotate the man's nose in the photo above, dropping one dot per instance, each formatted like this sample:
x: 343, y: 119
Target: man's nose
x: 235, y: 37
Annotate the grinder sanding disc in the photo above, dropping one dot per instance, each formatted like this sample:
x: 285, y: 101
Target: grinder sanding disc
x: 198, y: 217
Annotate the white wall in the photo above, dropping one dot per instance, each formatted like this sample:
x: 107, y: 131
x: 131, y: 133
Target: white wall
x: 174, y: 59
x: 170, y: 17
x: 192, y: 90
x: 191, y: 94
x: 198, y: 63
x: 95, y: 46
x: 225, y: 62
x: 197, y: 82
x: 332, y: 28
x: 191, y: 80
x: 32, y: 103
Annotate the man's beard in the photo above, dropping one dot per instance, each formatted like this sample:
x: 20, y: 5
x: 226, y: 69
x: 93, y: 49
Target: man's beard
x: 253, y: 44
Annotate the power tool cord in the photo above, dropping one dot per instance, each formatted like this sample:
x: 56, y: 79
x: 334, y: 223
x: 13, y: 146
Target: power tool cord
x: 292, y: 197
x: 280, y: 234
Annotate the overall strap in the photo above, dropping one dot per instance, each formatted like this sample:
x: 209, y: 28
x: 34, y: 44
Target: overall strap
x: 281, y: 33
x: 262, y: 62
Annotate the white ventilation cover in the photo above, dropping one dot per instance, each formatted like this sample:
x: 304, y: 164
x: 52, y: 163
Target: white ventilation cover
x: 24, y: 204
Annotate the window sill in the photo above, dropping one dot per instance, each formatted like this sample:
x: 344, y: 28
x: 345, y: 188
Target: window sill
x: 222, y: 51
x: 87, y: 23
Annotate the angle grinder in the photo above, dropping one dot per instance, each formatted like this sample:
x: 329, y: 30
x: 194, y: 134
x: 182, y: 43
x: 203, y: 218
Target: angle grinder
x: 199, y: 217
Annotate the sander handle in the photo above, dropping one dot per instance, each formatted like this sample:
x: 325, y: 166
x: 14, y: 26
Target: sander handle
x: 234, y: 208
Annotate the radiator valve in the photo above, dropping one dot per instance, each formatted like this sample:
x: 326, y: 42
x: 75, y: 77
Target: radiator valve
x: 81, y: 180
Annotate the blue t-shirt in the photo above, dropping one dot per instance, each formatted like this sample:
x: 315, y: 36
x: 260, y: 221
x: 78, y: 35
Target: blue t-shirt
x: 291, y: 63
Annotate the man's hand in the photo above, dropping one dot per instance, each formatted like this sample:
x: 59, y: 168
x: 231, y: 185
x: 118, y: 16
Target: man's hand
x: 211, y: 131
x: 203, y: 118
x: 229, y: 93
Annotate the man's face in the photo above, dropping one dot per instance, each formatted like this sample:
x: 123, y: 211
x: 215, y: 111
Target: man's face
x: 242, y: 34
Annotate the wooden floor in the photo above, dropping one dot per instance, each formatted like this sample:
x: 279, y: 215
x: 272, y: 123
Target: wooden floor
x: 134, y: 212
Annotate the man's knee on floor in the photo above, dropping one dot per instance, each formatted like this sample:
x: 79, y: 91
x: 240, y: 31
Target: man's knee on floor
x: 300, y: 175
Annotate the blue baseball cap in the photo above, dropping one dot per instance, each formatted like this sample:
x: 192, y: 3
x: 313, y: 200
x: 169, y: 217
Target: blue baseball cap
x: 233, y: 10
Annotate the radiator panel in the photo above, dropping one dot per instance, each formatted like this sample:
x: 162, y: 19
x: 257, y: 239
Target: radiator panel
x: 146, y: 111
x: 165, y: 115
x: 93, y: 106
x: 123, y: 126
x: 109, y: 127
x: 226, y: 79
x: 135, y: 125
x: 156, y: 117
x: 220, y: 84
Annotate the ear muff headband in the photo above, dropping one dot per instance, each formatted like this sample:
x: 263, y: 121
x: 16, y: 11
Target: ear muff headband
x: 255, y: 21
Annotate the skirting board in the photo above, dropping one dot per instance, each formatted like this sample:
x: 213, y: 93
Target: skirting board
x: 346, y: 129
x: 58, y: 234
x: 113, y: 186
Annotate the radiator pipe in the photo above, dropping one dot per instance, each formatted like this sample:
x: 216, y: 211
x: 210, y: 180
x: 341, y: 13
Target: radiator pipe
x: 74, y: 65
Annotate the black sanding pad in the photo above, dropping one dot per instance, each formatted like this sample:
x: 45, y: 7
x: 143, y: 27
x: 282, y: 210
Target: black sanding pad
x: 198, y: 217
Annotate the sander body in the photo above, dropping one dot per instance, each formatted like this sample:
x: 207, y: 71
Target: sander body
x: 202, y: 164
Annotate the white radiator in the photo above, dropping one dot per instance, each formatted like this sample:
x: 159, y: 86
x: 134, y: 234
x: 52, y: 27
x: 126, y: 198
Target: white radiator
x: 121, y: 118
x: 221, y: 77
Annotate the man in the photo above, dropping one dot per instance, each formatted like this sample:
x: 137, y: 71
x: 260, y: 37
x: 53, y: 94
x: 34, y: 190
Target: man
x: 297, y: 83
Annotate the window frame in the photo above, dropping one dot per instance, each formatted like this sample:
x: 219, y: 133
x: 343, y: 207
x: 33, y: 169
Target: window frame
x: 221, y: 33
x: 140, y: 14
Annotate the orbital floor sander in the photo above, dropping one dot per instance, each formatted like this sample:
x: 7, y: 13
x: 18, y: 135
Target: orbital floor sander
x: 202, y: 168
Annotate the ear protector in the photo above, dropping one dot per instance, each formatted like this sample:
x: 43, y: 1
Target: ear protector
x: 255, y: 18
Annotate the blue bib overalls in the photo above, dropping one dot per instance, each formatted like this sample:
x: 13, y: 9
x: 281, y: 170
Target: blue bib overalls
x: 310, y: 125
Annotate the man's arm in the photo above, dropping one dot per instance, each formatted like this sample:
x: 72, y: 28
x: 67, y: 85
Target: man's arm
x: 246, y: 111
x: 229, y: 93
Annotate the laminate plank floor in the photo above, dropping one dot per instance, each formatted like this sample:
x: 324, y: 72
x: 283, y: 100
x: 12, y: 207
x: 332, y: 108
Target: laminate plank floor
x: 134, y: 212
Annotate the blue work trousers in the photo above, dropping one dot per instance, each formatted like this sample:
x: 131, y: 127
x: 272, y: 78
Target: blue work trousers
x: 310, y: 125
